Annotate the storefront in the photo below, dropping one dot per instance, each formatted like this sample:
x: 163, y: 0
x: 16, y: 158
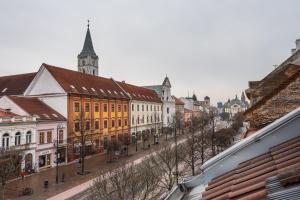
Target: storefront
x: 45, y: 159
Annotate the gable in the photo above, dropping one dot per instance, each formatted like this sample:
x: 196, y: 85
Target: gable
x: 6, y: 103
x: 43, y: 83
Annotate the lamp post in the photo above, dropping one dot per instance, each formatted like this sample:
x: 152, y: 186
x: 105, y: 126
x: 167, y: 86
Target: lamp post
x: 58, y: 128
x: 136, y: 146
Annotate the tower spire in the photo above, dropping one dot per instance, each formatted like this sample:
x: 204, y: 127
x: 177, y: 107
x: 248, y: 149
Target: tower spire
x: 88, y: 59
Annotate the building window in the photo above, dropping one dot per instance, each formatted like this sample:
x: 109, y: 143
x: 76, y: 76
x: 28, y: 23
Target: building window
x: 77, y: 107
x: 17, y: 139
x: 142, y: 107
x: 151, y: 107
x: 42, y: 138
x: 61, y: 136
x: 138, y: 107
x: 112, y: 107
x: 132, y: 107
x: 125, y: 122
x: 147, y: 107
x: 5, y: 140
x: 147, y: 119
x: 132, y: 120
x: 125, y: 108
x: 77, y: 126
x: 112, y: 123
x: 105, y: 123
x: 87, y: 125
x: 87, y: 107
x: 28, y: 137
x: 138, y: 120
x: 168, y: 110
x: 119, y: 108
x: 49, y: 136
x: 96, y: 107
x: 105, y: 107
x: 97, y: 124
x: 119, y: 122
x: 151, y: 119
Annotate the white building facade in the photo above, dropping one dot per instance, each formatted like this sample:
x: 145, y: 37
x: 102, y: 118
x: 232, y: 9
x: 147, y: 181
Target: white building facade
x: 36, y: 129
x: 18, y: 132
x: 168, y: 103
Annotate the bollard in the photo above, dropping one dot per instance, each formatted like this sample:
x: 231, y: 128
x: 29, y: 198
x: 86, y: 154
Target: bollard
x: 63, y: 177
x: 46, y: 183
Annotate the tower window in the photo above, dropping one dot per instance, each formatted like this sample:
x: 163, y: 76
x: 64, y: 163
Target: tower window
x: 83, y: 62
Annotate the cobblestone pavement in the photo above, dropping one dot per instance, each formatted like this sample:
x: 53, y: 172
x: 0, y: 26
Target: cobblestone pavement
x: 94, y: 165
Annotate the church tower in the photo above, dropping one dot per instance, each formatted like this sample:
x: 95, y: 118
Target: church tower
x: 87, y: 59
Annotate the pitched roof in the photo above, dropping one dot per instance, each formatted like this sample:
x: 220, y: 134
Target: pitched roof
x: 248, y: 180
x: 178, y: 101
x: 140, y: 93
x: 88, y: 48
x: 280, y: 87
x: 80, y: 83
x: 15, y: 84
x: 36, y: 107
x: 6, y: 113
x: 167, y: 82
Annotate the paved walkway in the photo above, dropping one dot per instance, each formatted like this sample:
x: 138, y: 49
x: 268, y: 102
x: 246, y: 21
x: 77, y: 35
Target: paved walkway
x: 94, y: 165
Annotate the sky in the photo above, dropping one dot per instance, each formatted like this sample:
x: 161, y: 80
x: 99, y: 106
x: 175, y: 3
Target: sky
x: 206, y: 47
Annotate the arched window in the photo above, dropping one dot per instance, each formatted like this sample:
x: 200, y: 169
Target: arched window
x: 5, y: 140
x: 83, y: 62
x: 94, y: 72
x: 168, y: 110
x: 28, y: 137
x: 17, y: 139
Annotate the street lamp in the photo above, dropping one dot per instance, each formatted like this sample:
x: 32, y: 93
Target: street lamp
x: 58, y: 128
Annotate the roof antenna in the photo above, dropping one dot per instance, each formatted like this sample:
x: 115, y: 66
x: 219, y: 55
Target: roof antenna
x: 88, y: 25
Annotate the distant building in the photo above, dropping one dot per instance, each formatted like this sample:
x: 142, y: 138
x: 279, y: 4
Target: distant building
x: 164, y: 93
x: 236, y: 105
x: 179, y: 105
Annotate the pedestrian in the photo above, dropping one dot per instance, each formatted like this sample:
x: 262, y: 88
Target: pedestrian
x: 23, y: 175
x: 35, y: 167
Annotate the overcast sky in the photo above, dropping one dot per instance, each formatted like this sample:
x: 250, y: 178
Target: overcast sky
x: 211, y: 47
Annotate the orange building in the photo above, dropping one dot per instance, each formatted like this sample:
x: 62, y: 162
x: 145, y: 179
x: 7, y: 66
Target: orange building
x: 96, y: 105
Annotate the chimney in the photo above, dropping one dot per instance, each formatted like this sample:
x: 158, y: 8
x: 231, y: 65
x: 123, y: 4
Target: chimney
x: 297, y: 44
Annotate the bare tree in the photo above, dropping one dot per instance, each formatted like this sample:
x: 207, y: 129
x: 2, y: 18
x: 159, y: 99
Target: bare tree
x: 224, y: 138
x: 237, y: 121
x: 165, y: 164
x: 134, y: 182
x: 194, y: 149
x: 10, y: 162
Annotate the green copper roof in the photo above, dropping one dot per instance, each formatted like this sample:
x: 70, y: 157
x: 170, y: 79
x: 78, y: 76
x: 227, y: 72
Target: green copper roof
x: 88, y: 49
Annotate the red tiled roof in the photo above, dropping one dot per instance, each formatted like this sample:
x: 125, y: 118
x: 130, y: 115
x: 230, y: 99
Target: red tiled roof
x: 178, y: 101
x: 6, y: 113
x: 79, y: 83
x: 248, y: 180
x: 15, y: 84
x: 36, y: 107
x: 280, y: 87
x: 140, y: 93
